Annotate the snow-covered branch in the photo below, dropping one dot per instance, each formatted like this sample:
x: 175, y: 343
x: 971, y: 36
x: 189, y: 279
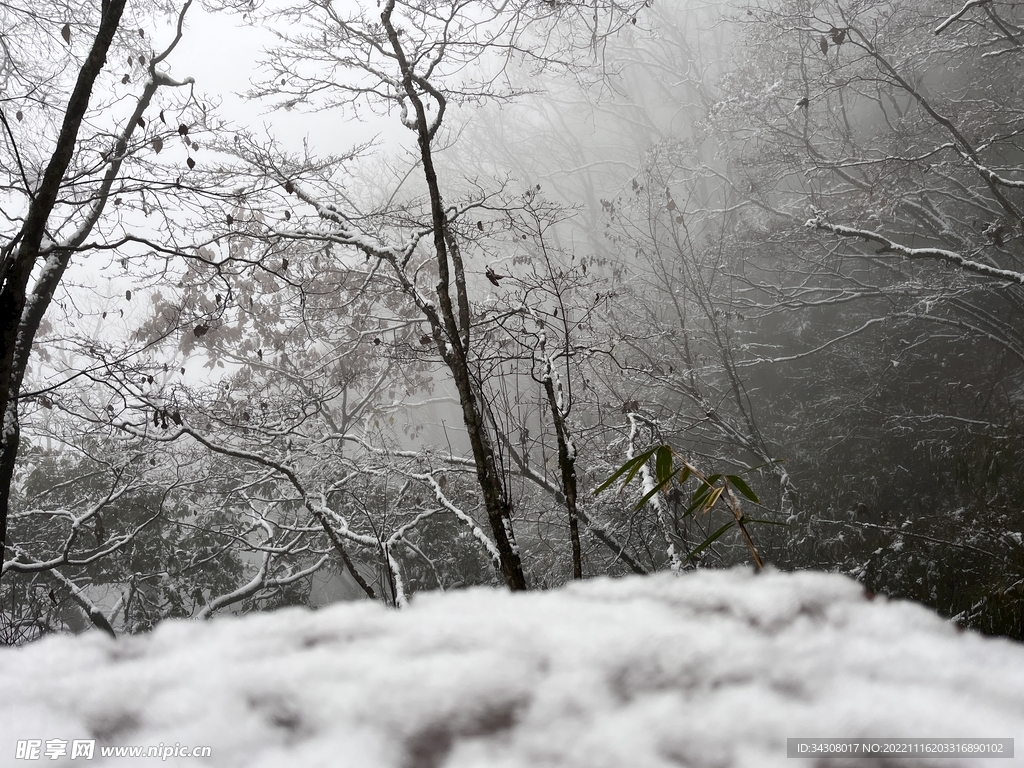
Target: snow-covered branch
x: 956, y: 16
x: 936, y: 254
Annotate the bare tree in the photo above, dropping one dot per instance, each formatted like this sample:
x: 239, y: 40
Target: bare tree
x: 61, y: 194
x: 421, y: 60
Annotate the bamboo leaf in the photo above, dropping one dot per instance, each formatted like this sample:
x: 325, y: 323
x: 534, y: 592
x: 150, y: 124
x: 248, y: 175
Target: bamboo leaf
x: 653, y: 492
x: 684, y: 474
x: 712, y: 498
x: 709, y: 541
x: 703, y: 500
x: 663, y: 464
x: 740, y: 485
x: 632, y: 467
x: 637, y: 464
x: 697, y: 500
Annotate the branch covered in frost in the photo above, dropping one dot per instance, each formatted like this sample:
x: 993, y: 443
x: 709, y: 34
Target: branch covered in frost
x: 475, y: 529
x: 23, y: 562
x: 314, y: 509
x: 936, y: 254
x: 94, y: 614
x: 258, y: 583
x: 967, y: 6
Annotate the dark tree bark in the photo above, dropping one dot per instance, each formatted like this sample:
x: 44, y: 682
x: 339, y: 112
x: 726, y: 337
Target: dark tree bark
x: 451, y: 327
x: 20, y: 310
x: 567, y: 467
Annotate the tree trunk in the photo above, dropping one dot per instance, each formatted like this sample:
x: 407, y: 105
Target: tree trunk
x: 567, y: 466
x: 18, y: 328
x: 452, y: 327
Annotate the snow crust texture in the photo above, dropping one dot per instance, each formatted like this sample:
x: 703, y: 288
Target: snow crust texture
x: 709, y: 670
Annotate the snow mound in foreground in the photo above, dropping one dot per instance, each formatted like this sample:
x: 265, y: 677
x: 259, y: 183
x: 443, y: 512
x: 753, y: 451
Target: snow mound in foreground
x: 712, y: 669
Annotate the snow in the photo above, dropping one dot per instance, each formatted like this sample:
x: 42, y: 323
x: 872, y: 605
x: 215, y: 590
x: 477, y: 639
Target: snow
x: 709, y: 669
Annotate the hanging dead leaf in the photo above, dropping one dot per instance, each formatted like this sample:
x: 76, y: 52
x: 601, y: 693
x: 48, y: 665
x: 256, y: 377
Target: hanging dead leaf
x: 284, y: 264
x: 191, y: 163
x: 287, y: 215
x: 65, y: 32
x: 231, y: 219
x: 199, y: 330
x: 142, y: 33
x: 125, y: 80
x: 142, y: 60
x: 158, y: 144
x: 20, y: 115
x: 141, y: 122
x: 480, y: 226
x: 128, y: 295
x: 289, y: 188
x: 162, y: 118
x: 183, y: 130
x: 823, y: 44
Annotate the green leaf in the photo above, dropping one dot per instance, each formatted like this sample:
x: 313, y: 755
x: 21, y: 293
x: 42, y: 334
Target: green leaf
x: 740, y: 485
x: 632, y: 467
x: 709, y: 541
x: 651, y: 493
x: 663, y: 464
x: 637, y: 464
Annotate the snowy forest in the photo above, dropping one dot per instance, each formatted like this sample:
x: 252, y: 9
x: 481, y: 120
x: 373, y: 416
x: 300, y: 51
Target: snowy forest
x: 439, y: 293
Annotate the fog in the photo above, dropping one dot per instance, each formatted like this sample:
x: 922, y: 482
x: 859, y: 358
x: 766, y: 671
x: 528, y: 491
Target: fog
x: 377, y: 301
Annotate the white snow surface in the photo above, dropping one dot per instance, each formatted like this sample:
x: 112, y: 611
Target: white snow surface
x: 709, y: 669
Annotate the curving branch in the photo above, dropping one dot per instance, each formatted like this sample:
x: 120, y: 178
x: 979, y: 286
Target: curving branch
x: 934, y: 254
